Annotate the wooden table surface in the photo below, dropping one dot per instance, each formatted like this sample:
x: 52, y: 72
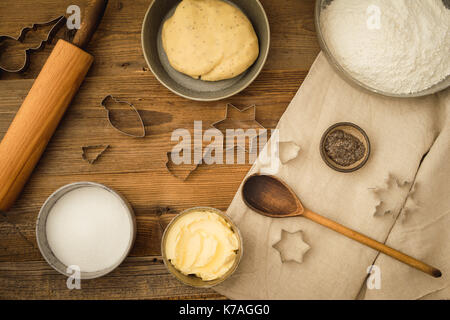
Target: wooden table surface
x: 134, y: 167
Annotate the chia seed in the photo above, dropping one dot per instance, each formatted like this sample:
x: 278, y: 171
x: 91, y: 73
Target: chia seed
x: 344, y: 148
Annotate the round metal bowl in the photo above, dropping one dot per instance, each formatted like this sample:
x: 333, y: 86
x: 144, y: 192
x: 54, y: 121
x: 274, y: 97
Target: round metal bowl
x: 320, y: 5
x: 192, y: 280
x: 41, y: 234
x: 184, y: 85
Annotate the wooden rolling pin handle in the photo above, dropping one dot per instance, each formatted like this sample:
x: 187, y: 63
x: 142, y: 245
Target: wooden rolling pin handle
x: 44, y: 106
x: 38, y: 117
x: 372, y: 243
x: 93, y: 16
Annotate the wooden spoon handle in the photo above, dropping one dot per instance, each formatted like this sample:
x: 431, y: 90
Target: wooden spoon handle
x: 372, y: 243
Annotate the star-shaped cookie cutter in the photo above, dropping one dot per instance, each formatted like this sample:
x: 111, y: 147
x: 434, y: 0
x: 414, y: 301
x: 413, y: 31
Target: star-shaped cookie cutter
x: 252, y: 118
x: 57, y: 23
x: 391, y: 196
x: 214, y: 125
x: 291, y: 246
x: 411, y: 203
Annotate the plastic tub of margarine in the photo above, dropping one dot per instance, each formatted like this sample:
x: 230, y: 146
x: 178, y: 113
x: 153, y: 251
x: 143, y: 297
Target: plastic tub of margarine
x: 201, y: 247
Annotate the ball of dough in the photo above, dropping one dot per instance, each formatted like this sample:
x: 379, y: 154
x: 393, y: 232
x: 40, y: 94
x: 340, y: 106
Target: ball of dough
x: 209, y: 39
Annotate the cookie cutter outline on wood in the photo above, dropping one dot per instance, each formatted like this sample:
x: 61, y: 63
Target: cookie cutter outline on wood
x: 213, y: 125
x: 183, y: 179
x: 84, y: 149
x: 57, y: 24
x: 108, y: 115
x: 230, y: 105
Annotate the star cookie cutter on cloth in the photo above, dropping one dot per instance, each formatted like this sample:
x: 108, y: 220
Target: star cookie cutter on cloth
x: 132, y: 107
x: 291, y: 246
x: 446, y: 3
x: 57, y: 24
x: 391, y: 196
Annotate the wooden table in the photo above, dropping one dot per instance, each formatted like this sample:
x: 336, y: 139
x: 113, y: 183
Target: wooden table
x: 134, y: 167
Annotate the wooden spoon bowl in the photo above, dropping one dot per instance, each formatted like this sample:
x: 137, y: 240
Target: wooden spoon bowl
x: 271, y: 197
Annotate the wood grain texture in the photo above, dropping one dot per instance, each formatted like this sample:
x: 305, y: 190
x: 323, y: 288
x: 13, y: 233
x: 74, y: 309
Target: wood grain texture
x: 134, y: 167
x: 93, y: 15
x: 38, y: 117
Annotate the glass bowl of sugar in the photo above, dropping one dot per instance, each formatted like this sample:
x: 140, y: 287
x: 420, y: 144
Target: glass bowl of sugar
x: 85, y: 229
x: 384, y: 47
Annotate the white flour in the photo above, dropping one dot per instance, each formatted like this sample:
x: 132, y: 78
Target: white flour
x: 397, y: 46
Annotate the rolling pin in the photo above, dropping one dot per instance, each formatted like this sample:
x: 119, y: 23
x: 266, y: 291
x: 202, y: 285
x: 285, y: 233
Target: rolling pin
x: 42, y: 110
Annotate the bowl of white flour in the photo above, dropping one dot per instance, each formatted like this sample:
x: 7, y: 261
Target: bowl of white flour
x: 395, y: 48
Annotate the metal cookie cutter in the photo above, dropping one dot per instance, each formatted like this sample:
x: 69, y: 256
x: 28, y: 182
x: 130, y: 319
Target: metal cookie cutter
x: 101, y: 149
x: 57, y: 23
x: 188, y: 170
x: 250, y: 110
x: 104, y: 104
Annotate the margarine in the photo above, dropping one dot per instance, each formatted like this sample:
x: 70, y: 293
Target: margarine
x: 202, y: 243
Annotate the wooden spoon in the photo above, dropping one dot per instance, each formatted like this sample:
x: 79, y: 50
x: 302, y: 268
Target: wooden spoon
x: 272, y: 197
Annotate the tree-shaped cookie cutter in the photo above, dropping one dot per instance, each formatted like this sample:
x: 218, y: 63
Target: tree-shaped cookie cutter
x: 101, y: 150
x: 57, y: 23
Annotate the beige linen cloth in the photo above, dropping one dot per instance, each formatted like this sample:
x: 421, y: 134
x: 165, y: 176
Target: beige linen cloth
x: 417, y: 223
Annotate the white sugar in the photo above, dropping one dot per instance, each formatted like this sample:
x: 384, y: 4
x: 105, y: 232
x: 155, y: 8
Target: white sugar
x: 89, y: 227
